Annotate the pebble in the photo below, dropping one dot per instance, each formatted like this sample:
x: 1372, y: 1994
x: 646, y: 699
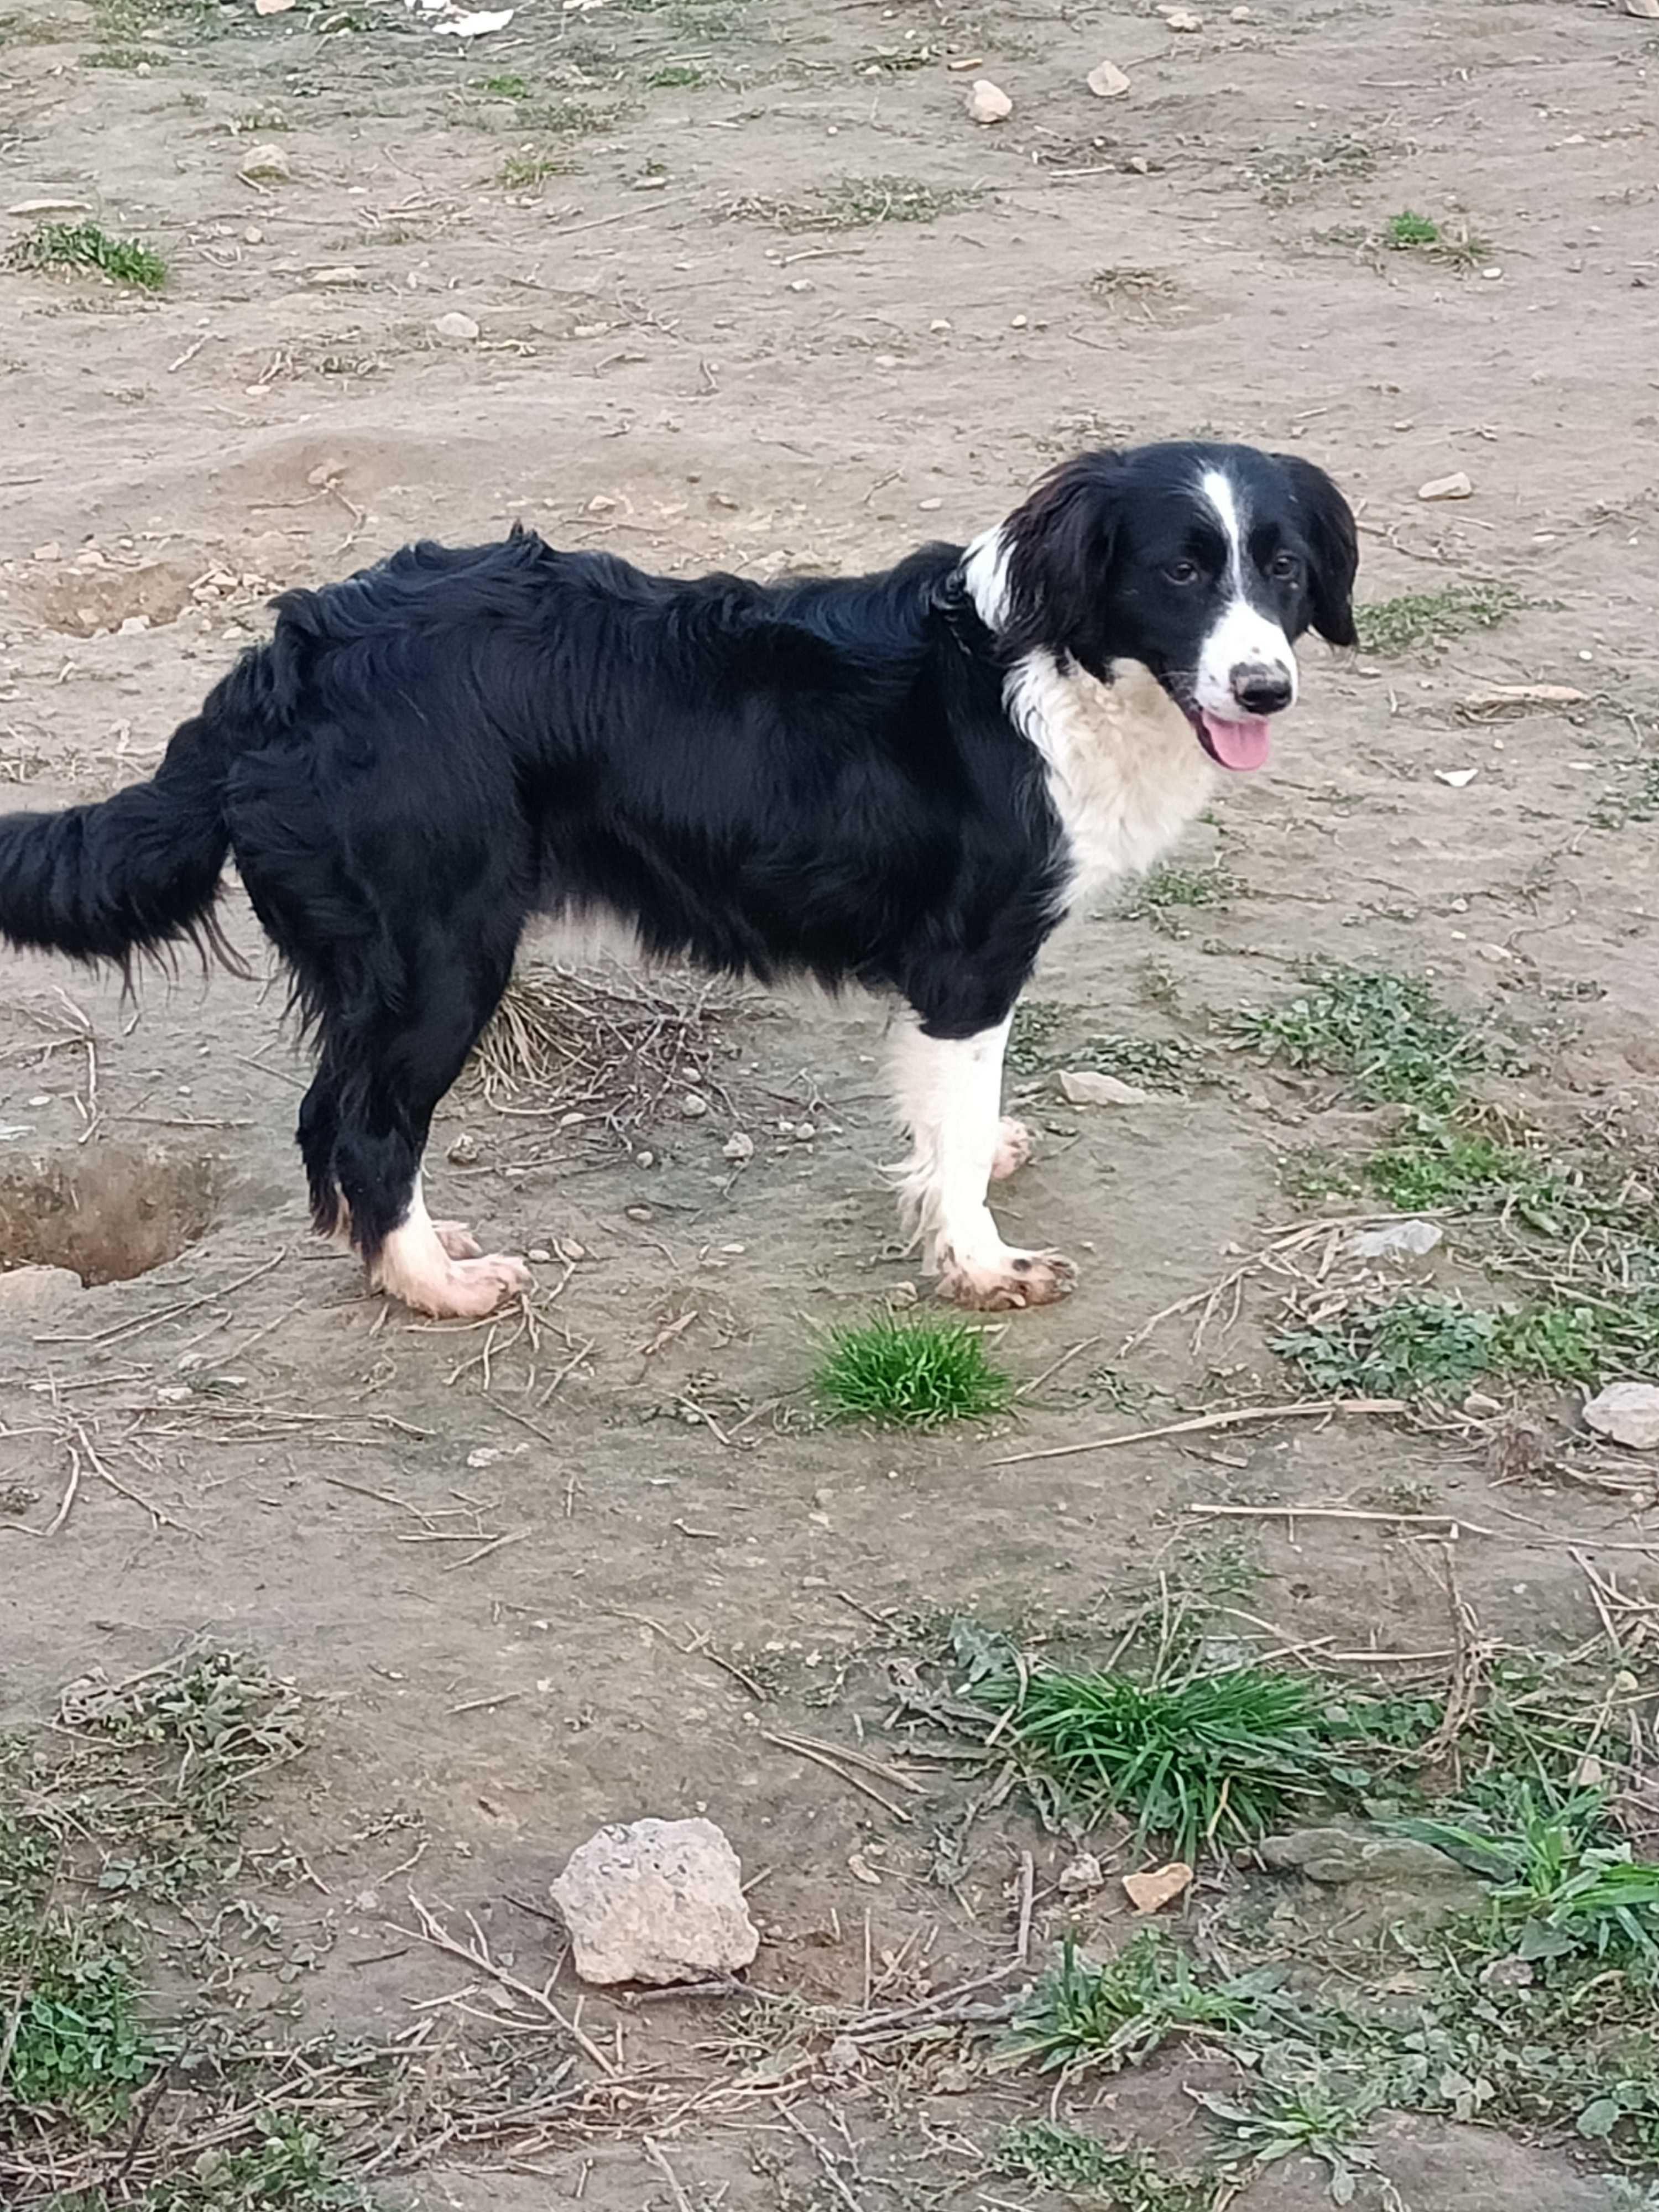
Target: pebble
x: 1400, y: 1240
x: 1627, y: 1414
x: 464, y: 1150
x: 1086, y: 1087
x: 989, y: 103
x: 455, y: 328
x: 694, y: 1106
x: 1457, y: 485
x: 1107, y: 80
x: 265, y: 164
x: 738, y: 1145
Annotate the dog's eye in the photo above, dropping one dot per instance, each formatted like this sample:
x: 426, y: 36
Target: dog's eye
x: 1183, y: 571
x: 1284, y: 567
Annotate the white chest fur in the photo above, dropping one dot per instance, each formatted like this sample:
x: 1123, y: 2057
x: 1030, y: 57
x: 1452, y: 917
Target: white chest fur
x: 1126, y: 773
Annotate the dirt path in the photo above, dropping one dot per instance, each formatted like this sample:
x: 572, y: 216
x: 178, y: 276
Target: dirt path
x: 743, y: 285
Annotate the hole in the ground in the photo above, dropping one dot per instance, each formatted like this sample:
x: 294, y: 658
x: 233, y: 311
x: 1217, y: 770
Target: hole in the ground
x: 106, y: 1214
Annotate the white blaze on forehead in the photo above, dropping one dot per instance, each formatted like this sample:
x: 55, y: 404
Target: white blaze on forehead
x: 1242, y: 637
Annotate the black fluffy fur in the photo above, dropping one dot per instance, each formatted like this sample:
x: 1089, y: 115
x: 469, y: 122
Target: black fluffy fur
x: 816, y: 777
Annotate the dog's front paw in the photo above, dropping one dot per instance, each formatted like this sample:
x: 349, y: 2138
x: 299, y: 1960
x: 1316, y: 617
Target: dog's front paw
x: 1008, y: 1283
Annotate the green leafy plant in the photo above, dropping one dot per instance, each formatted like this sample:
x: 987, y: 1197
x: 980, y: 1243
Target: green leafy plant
x: 1130, y: 2180
x: 1408, y: 229
x: 1118, y: 2014
x: 84, y: 246
x: 909, y: 1373
x: 1416, y: 619
x: 1386, y: 1033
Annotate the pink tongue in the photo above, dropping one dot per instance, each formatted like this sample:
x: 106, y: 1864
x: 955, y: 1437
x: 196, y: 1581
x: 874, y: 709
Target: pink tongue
x: 1238, y: 744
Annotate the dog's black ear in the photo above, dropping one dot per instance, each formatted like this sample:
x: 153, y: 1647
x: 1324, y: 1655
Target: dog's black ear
x: 1327, y: 523
x: 1060, y: 545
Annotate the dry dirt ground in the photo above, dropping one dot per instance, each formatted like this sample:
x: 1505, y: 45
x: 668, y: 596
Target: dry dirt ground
x: 751, y: 289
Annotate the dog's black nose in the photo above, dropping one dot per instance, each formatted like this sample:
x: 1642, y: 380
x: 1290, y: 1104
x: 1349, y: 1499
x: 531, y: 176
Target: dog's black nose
x: 1260, y: 691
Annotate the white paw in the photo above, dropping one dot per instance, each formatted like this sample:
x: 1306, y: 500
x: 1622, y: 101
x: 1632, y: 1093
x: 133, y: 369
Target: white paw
x: 1008, y: 1283
x: 458, y: 1240
x: 1013, y: 1149
x: 466, y: 1290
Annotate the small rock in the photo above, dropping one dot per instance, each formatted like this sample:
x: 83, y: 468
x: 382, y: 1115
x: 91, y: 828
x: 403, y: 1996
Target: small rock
x: 1107, y: 80
x: 660, y: 1901
x: 1333, y: 1856
x: 694, y: 1106
x: 1627, y: 1414
x: 21, y: 1289
x: 265, y: 164
x: 1400, y: 1240
x: 455, y: 328
x: 464, y: 1152
x: 51, y: 550
x: 1457, y: 485
x: 739, y: 1145
x: 1151, y: 1891
x: 1181, y: 19
x: 1646, y: 10
x: 336, y: 279
x: 989, y: 103
x: 539, y: 1256
x: 1085, y: 1087
x: 272, y: 7
x: 1459, y: 778
x: 1080, y: 1875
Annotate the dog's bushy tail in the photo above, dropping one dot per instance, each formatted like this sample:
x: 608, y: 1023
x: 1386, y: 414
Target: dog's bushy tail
x: 135, y: 874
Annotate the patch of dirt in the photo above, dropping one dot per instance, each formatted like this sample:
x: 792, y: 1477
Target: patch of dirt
x: 593, y: 1559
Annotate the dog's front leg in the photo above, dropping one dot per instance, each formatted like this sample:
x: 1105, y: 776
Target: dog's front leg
x: 949, y: 1093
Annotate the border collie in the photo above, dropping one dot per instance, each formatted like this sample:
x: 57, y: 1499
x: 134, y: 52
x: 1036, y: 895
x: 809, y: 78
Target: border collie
x: 903, y: 781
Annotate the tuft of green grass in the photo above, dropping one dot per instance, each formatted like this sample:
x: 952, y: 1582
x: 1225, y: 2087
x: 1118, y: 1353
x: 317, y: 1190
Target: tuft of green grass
x: 1166, y: 888
x: 510, y: 87
x: 1320, y: 2112
x: 677, y: 76
x: 1217, y: 1760
x: 1387, y: 1033
x: 1456, y: 245
x: 523, y: 171
x: 1118, y: 2014
x: 855, y: 203
x: 1419, y: 619
x: 909, y: 1373
x: 1128, y: 2178
x: 85, y: 246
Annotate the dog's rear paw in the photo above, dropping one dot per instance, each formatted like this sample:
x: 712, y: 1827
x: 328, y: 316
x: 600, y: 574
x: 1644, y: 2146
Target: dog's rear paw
x: 1013, y: 1149
x: 458, y: 1240
x: 464, y: 1290
x: 1009, y: 1282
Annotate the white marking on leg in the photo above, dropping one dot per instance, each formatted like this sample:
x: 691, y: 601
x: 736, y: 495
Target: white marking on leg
x: 1243, y: 637
x: 414, y: 1265
x: 949, y: 1096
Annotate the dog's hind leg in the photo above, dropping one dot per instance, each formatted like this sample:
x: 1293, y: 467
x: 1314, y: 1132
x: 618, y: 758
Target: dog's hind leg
x: 392, y: 1065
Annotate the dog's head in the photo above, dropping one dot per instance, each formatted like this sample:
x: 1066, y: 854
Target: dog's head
x: 1202, y: 562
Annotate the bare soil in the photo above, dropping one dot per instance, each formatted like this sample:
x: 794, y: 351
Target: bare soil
x: 502, y: 1559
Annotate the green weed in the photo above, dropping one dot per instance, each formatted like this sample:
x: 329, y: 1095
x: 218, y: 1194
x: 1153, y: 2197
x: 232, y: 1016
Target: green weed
x: 1166, y: 886
x: 1409, y: 229
x: 1386, y: 1033
x: 1435, y: 1347
x: 1119, y: 2014
x: 511, y: 87
x: 1563, y: 1881
x: 524, y: 171
x: 679, y: 76
x: 1640, y: 802
x: 1319, y: 2113
x: 84, y: 246
x: 1456, y: 244
x: 1076, y: 2165
x: 855, y: 203
x: 1419, y: 619
x: 909, y: 1374
x: 1217, y: 1760
x: 1033, y: 1038
x: 78, y: 2050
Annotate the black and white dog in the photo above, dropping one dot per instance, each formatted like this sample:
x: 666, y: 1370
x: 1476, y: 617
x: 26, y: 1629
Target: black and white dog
x: 902, y: 781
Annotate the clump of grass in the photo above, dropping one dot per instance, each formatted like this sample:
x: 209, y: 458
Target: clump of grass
x: 1410, y: 233
x: 1419, y: 619
x: 679, y: 76
x: 1031, y: 1039
x: 1386, y: 1033
x: 1320, y: 2112
x: 510, y: 87
x: 1128, y: 2178
x: 1119, y: 2014
x: 524, y: 171
x: 855, y: 203
x: 1637, y: 801
x: 1217, y: 1760
x: 1434, y: 1164
x: 85, y: 246
x: 909, y: 1373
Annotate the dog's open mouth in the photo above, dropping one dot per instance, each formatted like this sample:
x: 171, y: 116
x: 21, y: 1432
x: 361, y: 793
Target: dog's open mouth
x: 1242, y: 746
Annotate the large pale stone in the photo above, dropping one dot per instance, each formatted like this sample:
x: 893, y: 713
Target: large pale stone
x: 659, y: 1901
